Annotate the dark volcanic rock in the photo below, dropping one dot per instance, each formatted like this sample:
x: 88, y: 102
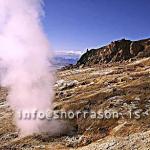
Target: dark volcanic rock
x: 135, y: 48
x: 116, y: 51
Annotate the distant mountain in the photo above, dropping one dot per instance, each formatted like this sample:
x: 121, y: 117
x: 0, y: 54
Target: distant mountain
x: 116, y: 51
x: 62, y: 58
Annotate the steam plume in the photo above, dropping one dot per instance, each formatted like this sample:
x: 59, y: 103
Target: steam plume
x: 24, y: 51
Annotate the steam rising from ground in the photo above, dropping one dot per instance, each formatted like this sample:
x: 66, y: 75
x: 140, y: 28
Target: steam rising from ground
x: 24, y: 51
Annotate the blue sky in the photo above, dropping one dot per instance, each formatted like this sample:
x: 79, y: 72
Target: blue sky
x: 81, y: 24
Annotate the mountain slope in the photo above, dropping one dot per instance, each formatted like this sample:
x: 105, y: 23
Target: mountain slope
x: 116, y: 51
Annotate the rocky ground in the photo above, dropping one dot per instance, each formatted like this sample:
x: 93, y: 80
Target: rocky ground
x: 117, y: 88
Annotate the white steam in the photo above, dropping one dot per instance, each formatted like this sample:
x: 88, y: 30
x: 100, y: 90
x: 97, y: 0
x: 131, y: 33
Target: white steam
x: 24, y: 51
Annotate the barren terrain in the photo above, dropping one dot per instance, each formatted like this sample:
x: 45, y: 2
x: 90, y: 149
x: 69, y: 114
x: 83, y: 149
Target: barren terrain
x: 117, y: 87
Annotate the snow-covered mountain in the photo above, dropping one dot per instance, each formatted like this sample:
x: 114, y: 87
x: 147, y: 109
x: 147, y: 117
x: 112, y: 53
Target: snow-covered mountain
x: 62, y: 58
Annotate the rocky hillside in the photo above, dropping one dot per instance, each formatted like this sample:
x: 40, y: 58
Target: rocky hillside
x: 122, y: 88
x: 116, y: 51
